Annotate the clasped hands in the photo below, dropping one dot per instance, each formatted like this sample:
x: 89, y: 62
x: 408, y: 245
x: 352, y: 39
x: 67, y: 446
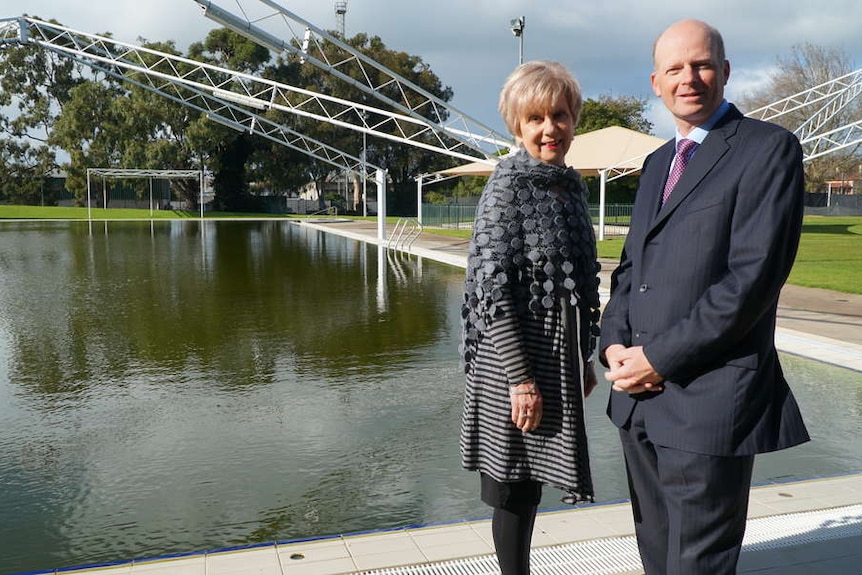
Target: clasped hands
x: 630, y: 371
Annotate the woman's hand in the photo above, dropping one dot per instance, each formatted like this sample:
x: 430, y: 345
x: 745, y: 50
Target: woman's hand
x: 526, y: 406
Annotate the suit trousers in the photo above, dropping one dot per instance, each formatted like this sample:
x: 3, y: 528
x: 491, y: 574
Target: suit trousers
x: 689, y: 508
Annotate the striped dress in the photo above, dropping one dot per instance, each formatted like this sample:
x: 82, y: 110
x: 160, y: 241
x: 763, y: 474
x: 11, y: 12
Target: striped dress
x: 530, y: 311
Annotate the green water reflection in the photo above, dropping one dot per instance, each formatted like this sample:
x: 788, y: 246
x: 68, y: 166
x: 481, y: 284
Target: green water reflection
x: 171, y: 387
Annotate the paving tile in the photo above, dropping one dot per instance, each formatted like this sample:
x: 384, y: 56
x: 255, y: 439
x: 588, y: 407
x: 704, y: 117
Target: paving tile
x: 542, y: 539
x: 450, y: 542
x: 618, y: 519
x: 757, y: 509
x: 375, y: 544
x: 336, y: 566
x: 457, y: 551
x: 181, y: 566
x: 757, y: 561
x: 447, y: 535
x: 568, y: 527
x: 262, y: 561
x: 389, y: 559
x: 124, y: 569
x: 483, y: 529
x: 311, y: 551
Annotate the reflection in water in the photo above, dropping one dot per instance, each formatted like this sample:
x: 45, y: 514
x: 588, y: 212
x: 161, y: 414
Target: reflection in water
x: 167, y: 387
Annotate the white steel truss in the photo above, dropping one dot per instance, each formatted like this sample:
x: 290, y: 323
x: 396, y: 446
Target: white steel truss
x: 315, y: 46
x: 143, y: 68
x: 826, y: 100
x: 176, y: 75
x: 138, y: 66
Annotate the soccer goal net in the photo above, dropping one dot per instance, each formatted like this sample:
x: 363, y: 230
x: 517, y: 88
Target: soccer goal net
x: 152, y: 176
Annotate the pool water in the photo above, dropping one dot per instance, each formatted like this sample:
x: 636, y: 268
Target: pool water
x: 170, y: 387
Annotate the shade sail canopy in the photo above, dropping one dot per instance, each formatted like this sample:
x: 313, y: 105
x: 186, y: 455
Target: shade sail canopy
x: 471, y: 169
x: 613, y: 147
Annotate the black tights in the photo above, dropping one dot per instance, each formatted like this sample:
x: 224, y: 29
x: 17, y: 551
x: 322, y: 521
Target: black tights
x: 513, y: 530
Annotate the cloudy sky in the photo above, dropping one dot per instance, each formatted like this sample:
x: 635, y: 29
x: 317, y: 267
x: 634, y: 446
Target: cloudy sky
x: 469, y: 44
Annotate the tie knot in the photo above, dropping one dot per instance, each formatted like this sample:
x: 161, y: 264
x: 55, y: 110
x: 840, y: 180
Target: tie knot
x: 685, y: 147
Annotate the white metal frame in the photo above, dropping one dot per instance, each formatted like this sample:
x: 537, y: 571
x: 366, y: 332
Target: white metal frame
x: 305, y: 41
x: 143, y: 173
x: 108, y: 56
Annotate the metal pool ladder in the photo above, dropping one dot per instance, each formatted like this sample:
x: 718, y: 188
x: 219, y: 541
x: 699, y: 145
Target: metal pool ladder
x: 405, y: 233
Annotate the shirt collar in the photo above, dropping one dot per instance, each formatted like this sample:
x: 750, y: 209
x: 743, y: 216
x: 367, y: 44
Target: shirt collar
x: 699, y: 133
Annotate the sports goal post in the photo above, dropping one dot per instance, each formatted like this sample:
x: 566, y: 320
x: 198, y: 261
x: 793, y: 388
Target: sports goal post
x: 141, y: 173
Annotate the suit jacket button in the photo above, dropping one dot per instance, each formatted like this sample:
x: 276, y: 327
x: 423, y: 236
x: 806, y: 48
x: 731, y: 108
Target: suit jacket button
x: 643, y: 288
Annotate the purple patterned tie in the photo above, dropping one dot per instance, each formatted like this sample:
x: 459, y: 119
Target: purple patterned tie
x: 684, y: 150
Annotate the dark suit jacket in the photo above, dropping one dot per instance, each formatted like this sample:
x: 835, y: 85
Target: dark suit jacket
x: 697, y: 286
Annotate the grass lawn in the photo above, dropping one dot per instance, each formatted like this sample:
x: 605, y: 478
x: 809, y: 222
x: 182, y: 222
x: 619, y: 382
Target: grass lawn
x: 830, y: 254
x: 70, y: 213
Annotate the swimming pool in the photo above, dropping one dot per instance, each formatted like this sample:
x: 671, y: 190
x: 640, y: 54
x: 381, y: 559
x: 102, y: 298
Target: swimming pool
x: 181, y: 386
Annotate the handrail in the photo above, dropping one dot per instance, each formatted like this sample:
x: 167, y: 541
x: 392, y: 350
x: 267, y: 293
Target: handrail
x: 330, y: 211
x: 402, y: 237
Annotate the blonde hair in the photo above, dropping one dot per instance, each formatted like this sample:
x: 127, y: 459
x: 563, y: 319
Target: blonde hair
x: 537, y: 84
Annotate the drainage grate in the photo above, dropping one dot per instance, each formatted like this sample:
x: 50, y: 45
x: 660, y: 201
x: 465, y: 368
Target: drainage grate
x: 620, y: 555
x: 800, y: 528
x: 596, y: 557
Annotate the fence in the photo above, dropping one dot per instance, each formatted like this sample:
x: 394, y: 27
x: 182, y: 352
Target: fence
x: 457, y: 216
x: 448, y: 215
x: 820, y: 204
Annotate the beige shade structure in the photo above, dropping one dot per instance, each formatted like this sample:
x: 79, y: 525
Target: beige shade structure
x: 471, y: 169
x: 615, y: 148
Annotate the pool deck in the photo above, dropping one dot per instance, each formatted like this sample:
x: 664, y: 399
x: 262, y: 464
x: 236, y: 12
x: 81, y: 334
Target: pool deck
x: 809, y: 527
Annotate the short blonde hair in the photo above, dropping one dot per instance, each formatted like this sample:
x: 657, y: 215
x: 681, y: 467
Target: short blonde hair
x: 537, y: 83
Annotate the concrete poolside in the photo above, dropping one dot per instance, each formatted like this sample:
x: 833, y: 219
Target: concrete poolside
x: 806, y: 527
x: 801, y: 528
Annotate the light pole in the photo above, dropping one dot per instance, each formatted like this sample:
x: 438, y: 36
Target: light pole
x: 518, y: 25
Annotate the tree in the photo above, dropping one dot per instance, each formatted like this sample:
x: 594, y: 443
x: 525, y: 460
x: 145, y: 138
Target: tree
x: 402, y: 161
x: 807, y: 66
x: 100, y: 120
x: 90, y: 128
x: 625, y: 111
x: 227, y: 49
x: 109, y: 123
x: 35, y: 84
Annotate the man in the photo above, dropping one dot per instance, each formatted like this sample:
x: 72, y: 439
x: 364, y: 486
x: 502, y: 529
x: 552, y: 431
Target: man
x: 688, y: 333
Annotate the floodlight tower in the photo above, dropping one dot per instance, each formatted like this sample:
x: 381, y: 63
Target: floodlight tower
x: 517, y: 26
x: 340, y: 12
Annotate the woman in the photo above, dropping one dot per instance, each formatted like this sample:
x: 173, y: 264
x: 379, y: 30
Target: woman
x: 530, y: 316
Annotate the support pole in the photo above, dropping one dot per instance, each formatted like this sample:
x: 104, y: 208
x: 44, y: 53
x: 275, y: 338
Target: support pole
x: 602, y: 184
x: 380, y: 177
x: 419, y: 199
x: 89, y: 209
